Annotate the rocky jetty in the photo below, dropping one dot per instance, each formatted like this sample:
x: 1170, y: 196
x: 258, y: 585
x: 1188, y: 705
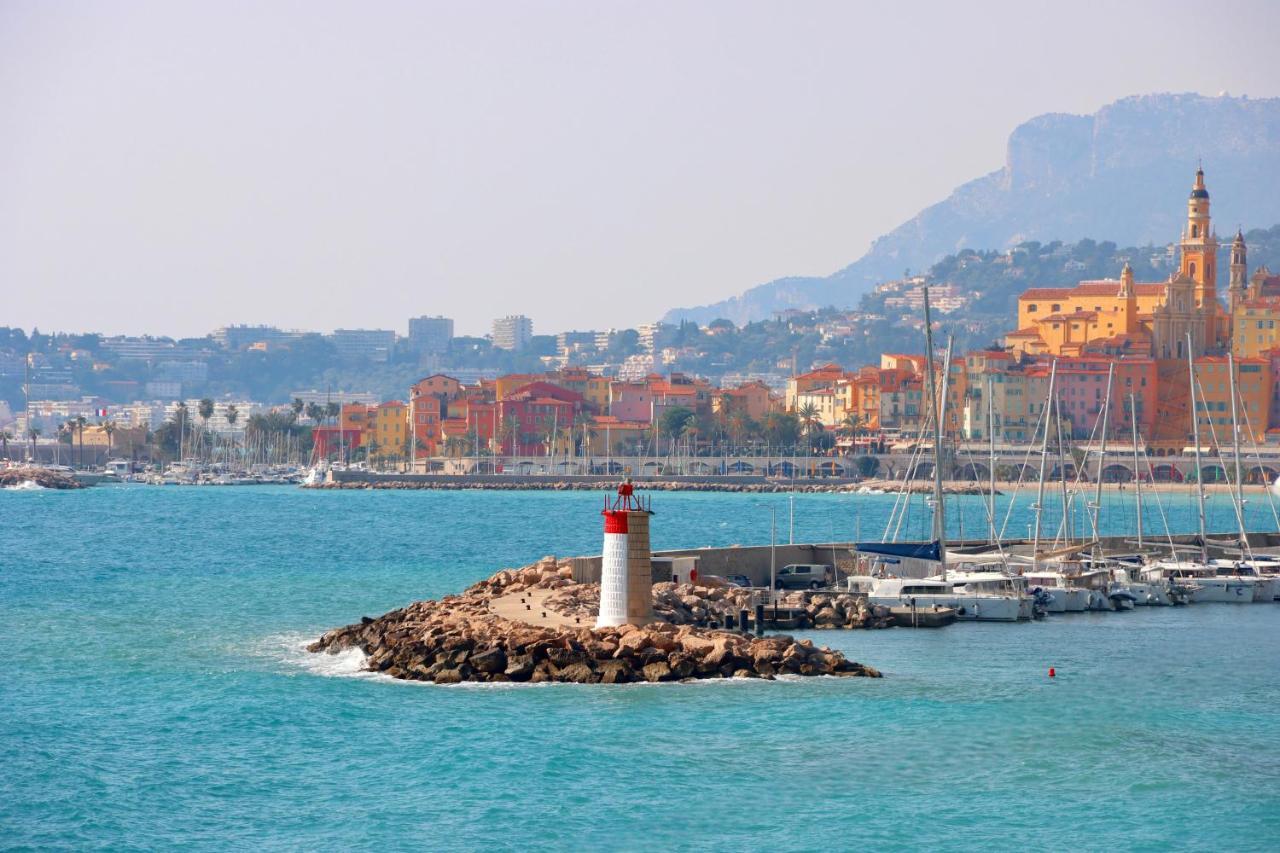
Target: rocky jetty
x: 708, y: 606
x: 459, y: 638
x: 42, y: 477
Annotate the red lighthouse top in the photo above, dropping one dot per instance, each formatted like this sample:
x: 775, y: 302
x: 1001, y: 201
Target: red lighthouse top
x: 627, y: 500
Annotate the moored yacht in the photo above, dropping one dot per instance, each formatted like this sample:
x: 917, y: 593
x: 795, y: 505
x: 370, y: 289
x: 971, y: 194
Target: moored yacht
x: 1066, y: 598
x: 1264, y: 587
x: 934, y: 592
x: 1201, y: 582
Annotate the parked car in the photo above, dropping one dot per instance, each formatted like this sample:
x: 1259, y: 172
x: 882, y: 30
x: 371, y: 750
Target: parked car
x: 803, y: 576
x: 740, y: 580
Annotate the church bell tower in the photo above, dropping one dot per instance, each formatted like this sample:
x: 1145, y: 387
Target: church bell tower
x: 1237, y: 287
x: 1199, y: 245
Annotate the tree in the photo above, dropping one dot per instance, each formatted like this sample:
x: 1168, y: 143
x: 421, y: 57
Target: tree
x: 781, y: 429
x: 315, y: 412
x: 233, y: 415
x: 297, y: 406
x: 810, y: 419
x: 675, y: 421
x: 508, y: 432
x: 110, y: 429
x: 205, y: 409
x: 867, y: 466
x: 5, y: 435
x: 851, y: 425
x: 583, y: 431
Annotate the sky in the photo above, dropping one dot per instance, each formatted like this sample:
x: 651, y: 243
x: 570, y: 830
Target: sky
x: 171, y: 167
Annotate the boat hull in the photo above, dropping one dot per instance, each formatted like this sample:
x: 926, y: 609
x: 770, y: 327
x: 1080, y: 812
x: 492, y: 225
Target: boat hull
x: 968, y: 608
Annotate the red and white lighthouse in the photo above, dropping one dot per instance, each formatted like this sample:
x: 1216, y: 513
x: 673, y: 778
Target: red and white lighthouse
x: 626, y: 573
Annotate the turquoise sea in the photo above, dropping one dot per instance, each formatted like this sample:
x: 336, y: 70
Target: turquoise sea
x: 155, y: 695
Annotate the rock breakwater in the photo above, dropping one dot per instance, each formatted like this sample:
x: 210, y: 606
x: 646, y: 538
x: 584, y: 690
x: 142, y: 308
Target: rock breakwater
x: 459, y: 638
x: 42, y: 477
x: 708, y: 606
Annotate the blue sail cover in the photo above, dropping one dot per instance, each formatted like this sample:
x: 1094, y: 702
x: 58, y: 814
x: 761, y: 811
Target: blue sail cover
x: 915, y: 550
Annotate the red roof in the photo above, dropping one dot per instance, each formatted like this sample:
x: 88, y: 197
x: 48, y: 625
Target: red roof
x: 1092, y: 288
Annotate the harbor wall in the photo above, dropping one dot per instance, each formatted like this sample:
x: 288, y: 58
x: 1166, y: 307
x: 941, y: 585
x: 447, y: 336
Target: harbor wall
x: 753, y: 560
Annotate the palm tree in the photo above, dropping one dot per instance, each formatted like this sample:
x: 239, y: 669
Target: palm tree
x: 81, y: 422
x: 371, y: 451
x: 583, y: 430
x: 5, y: 435
x: 233, y: 415
x: 205, y: 409
x: 297, y: 406
x: 550, y: 433
x: 508, y: 431
x: 110, y: 429
x: 33, y: 433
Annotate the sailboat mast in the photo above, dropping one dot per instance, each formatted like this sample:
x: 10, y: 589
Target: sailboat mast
x: 1195, y: 434
x: 991, y: 463
x: 1062, y: 470
x: 1235, y: 447
x: 1044, y: 455
x: 1137, y: 474
x: 939, y: 509
x: 1102, y: 454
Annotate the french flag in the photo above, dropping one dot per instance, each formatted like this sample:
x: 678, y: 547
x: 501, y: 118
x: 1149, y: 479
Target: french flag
x: 102, y: 413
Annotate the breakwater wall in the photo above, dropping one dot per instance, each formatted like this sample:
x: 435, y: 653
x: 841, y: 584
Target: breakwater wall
x: 592, y: 482
x: 754, y: 560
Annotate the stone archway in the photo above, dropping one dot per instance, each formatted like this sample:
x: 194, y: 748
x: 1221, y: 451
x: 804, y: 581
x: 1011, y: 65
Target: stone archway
x: 922, y: 471
x: 1165, y: 473
x: 973, y: 471
x: 1261, y: 475
x: 1213, y: 474
x: 1117, y: 472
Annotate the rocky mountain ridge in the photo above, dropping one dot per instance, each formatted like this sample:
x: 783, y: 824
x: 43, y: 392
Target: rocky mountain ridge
x: 1120, y: 174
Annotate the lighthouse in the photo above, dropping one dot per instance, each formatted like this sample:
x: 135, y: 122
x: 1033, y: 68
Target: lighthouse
x: 626, y: 574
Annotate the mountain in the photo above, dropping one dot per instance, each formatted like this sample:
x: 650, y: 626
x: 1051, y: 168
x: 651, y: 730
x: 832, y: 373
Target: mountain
x: 1121, y: 174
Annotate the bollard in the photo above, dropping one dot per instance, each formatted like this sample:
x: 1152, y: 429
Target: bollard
x: 760, y: 619
x: 730, y: 621
x: 742, y: 619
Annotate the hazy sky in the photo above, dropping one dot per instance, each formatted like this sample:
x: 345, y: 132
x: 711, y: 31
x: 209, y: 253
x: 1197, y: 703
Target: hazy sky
x: 170, y: 167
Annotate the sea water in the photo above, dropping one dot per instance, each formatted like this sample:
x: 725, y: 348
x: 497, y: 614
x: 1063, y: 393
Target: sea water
x: 155, y: 694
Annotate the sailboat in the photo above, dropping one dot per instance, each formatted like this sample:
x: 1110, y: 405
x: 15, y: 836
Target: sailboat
x: 980, y: 596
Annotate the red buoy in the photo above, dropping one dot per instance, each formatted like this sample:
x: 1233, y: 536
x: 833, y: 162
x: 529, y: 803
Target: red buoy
x: 1052, y: 674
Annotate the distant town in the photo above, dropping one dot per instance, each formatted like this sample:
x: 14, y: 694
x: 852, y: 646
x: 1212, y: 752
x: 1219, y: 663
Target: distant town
x: 429, y: 394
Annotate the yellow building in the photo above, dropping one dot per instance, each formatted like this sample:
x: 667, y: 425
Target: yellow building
x: 1213, y: 399
x: 594, y: 389
x: 827, y: 404
x: 387, y: 431
x: 1127, y: 317
x: 1254, y: 326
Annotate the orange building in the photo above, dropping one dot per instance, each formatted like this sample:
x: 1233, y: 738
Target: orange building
x: 1138, y: 318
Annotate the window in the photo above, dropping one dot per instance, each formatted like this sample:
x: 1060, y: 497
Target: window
x: 1032, y: 308
x: 1056, y: 308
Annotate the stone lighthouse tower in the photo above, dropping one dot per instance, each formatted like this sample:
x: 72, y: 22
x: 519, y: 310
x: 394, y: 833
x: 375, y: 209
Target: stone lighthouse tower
x: 626, y: 574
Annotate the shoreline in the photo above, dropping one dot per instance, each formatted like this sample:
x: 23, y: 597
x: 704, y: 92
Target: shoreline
x: 864, y: 487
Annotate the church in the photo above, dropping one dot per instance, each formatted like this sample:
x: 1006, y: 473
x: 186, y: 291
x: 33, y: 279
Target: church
x: 1151, y: 319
